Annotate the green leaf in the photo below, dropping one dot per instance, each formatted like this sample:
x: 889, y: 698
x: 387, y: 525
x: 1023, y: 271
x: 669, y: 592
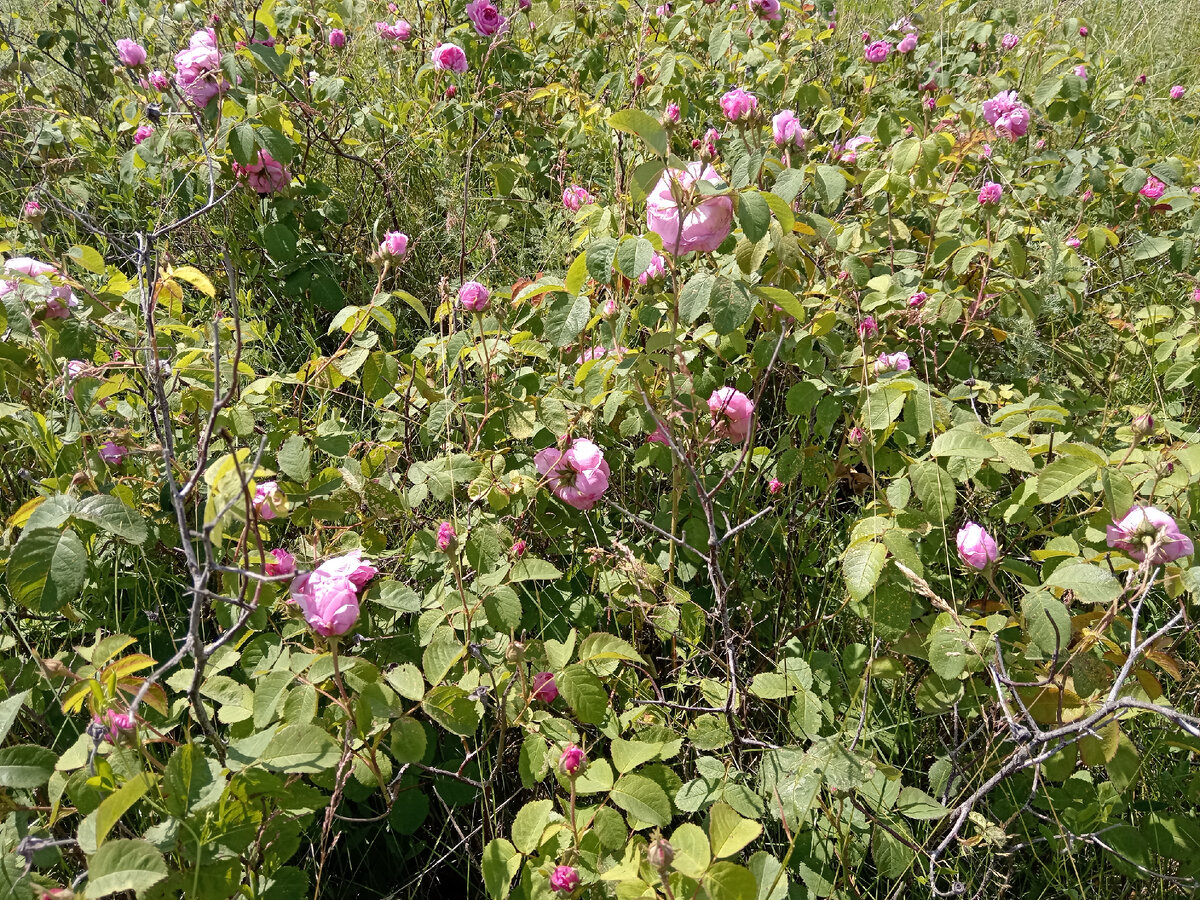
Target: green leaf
x: 770, y: 875
x: 881, y: 405
x: 26, y: 766
x: 414, y: 303
x: 408, y: 740
x: 1091, y: 583
x: 87, y: 257
x: 47, y: 568
x: 634, y: 255
x: 450, y: 707
x: 599, y: 255
x: 119, y: 802
x: 109, y: 513
x: 577, y: 274
x: 950, y: 648
x: 861, y: 567
x: 295, y: 459
x: 565, y: 318
x: 644, y: 125
x: 125, y: 865
x: 730, y: 305
x: 728, y: 832
x: 584, y: 694
x: 301, y: 749
x: 934, y: 488
x: 530, y: 568
x: 241, y: 142
x: 785, y: 300
x: 728, y: 881
x: 694, y: 298
x: 892, y: 857
x: 831, y: 185
x: 962, y: 443
x: 529, y: 824
x: 692, y: 854
x: 628, y: 755
x: 1063, y: 476
x: 916, y: 804
x: 500, y: 863
x: 643, y: 799
x: 1047, y: 621
x: 599, y: 645
x: 9, y: 710
x: 191, y: 782
x: 754, y: 215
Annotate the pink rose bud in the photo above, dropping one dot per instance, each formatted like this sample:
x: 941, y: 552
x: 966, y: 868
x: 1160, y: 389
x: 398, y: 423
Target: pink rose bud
x: 1142, y: 78
x: 930, y: 103
x: 449, y: 58
x: 867, y: 328
x: 544, y: 688
x: 525, y: 4
x: 976, y: 547
x: 575, y: 198
x: 774, y: 486
x: 143, y: 132
x: 116, y: 724
x: 394, y: 246
x: 269, y: 501
x: 1081, y: 71
x: 917, y: 300
x: 1086, y: 196
x: 34, y: 212
x: 786, y: 129
x: 337, y: 39
x: 654, y: 271
x: 990, y: 193
x: 130, y: 53
x: 856, y: 436
x: 573, y: 761
x: 1083, y: 31
x: 610, y: 307
x: 671, y: 114
x: 1177, y: 92
x: 908, y: 44
x: 474, y: 297
x: 1196, y: 295
x: 1141, y: 528
x: 113, y: 454
x: 158, y: 80
x: 451, y: 92
x: 1073, y: 243
x: 639, y: 79
x: 1143, y: 425
x: 280, y: 562
x: 1009, y: 41
x: 877, y: 52
x: 518, y: 548
x: 564, y: 880
x: 447, y: 537
x: 732, y: 411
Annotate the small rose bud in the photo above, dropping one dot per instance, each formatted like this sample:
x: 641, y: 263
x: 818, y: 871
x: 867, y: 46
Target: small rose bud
x: 573, y: 761
x: 451, y: 92
x: 660, y: 854
x: 447, y: 537
x: 775, y: 486
x: 518, y: 548
x: 515, y: 653
x: 1143, y: 425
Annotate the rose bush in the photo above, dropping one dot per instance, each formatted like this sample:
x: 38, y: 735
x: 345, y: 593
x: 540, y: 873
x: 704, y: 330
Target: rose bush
x: 800, y: 509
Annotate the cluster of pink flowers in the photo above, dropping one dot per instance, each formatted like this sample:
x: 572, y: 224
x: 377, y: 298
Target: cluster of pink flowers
x: 449, y: 58
x: 892, y: 362
x: 732, y: 413
x: 576, y: 198
x: 577, y: 476
x: 976, y: 547
x: 739, y: 105
x: 1142, y: 527
x: 266, y: 175
x: 328, y: 596
x: 197, y: 69
x: 486, y: 18
x: 701, y: 225
x: 474, y: 297
x: 130, y: 54
x: 1007, y: 114
x: 990, y: 193
x: 399, y: 31
x: 656, y: 270
x: 394, y: 246
x: 877, y: 52
x: 269, y: 500
x: 786, y: 129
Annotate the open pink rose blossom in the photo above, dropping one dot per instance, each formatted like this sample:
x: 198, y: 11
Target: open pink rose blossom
x: 577, y: 476
x: 732, y: 411
x: 702, y: 224
x: 328, y: 595
x: 1141, y: 527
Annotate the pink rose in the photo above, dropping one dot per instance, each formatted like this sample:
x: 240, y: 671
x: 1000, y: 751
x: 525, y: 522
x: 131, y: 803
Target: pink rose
x: 143, y: 132
x: 1009, y: 41
x: 130, y: 53
x: 573, y: 761
x: 767, y: 9
x: 1141, y: 527
x: 908, y: 43
x: 1007, y: 114
x: 269, y: 501
x: 449, y: 58
x: 867, y: 328
x: 976, y: 547
x: 1073, y: 243
x: 990, y: 193
x: 577, y: 477
x: 264, y: 176
x: 474, y: 296
x: 28, y: 266
x: 544, y: 688
x: 702, y: 224
x: 739, y: 105
x: 486, y: 18
x: 786, y: 129
x: 732, y: 411
x: 328, y: 596
x: 654, y: 271
x: 774, y: 486
x: 197, y: 69
x: 564, y: 880
x: 671, y: 114
x: 337, y: 39
x: 350, y: 565
x: 116, y: 725
x: 877, y: 52
x: 394, y: 245
x: 1081, y: 72
x: 60, y: 302
x: 447, y: 537
x: 518, y: 548
x: 917, y: 300
x: 113, y: 454
x: 1083, y: 31
x: 1153, y: 188
x: 892, y: 362
x: 280, y: 562
x: 158, y: 80
x: 1177, y: 92
x: 597, y: 352
x: 575, y: 198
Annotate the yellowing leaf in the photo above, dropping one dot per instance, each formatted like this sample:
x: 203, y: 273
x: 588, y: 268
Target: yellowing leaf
x: 195, y: 278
